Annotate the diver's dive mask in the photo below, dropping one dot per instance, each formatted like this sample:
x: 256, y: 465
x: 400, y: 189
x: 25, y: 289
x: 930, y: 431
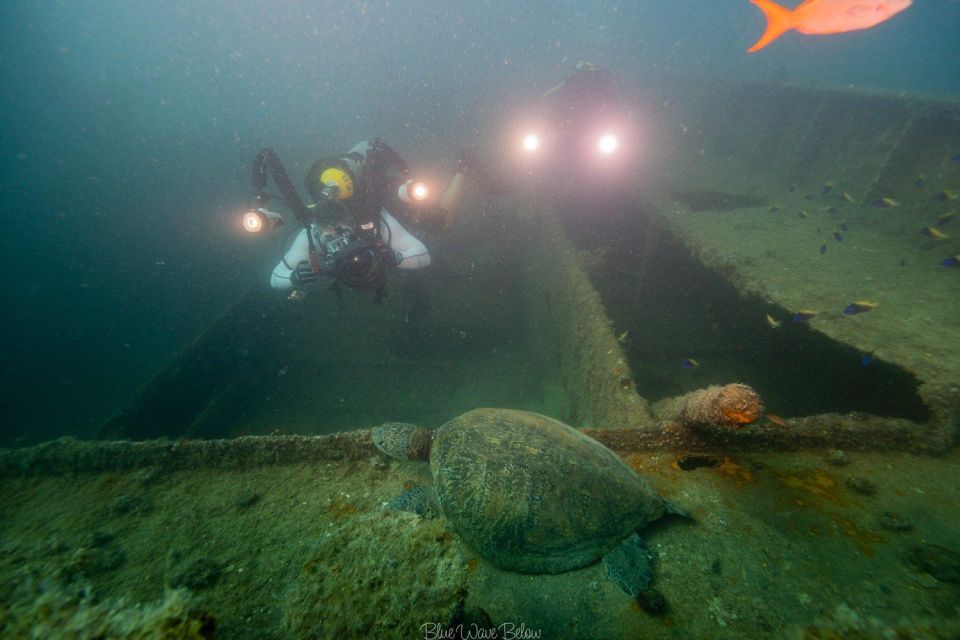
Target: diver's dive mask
x: 336, y: 179
x: 329, y: 193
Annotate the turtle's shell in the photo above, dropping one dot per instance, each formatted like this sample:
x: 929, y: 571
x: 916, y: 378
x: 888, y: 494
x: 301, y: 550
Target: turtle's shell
x: 531, y: 494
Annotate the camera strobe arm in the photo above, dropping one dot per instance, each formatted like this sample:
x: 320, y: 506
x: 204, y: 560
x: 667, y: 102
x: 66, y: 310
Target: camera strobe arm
x: 266, y: 162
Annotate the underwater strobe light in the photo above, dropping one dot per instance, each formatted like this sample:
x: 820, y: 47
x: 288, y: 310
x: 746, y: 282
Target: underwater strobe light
x: 531, y: 142
x: 414, y: 191
x: 256, y: 220
x: 607, y: 144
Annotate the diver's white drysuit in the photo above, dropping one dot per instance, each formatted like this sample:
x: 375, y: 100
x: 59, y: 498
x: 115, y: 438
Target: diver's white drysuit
x: 410, y: 253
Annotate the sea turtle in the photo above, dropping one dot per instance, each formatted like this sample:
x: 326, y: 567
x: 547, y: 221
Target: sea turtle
x: 531, y: 494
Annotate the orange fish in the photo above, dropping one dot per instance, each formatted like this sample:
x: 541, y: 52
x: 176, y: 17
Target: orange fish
x: 775, y: 419
x: 821, y: 17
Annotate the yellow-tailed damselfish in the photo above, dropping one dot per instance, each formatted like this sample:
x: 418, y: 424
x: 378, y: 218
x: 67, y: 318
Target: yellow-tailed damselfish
x: 933, y: 233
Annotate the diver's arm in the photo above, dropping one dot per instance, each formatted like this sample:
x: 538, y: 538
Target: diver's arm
x: 408, y: 250
x: 283, y: 275
x: 435, y: 217
x: 451, y: 200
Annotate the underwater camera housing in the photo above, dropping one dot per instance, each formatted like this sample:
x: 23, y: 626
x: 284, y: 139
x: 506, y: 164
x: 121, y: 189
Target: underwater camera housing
x: 362, y: 264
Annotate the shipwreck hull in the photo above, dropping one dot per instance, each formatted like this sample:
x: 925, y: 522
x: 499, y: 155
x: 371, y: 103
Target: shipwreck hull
x: 245, y: 471
x: 758, y: 201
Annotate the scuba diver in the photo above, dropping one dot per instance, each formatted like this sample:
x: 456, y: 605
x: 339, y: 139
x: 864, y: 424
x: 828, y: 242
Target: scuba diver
x: 584, y: 101
x: 584, y: 139
x: 352, y: 234
x: 587, y: 158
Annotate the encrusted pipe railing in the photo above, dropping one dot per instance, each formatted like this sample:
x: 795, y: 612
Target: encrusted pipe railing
x: 566, y: 314
x: 67, y: 455
x: 856, y: 432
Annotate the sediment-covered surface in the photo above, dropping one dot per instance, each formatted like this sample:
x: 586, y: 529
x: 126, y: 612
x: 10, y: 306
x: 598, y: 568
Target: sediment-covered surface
x: 779, y: 542
x: 792, y: 256
x: 812, y: 199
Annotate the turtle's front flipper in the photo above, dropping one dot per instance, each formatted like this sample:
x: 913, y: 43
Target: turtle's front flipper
x: 630, y: 565
x: 419, y: 500
x: 670, y: 507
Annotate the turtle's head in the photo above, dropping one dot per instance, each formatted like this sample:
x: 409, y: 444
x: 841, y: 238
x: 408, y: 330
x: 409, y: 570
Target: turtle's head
x: 402, y: 441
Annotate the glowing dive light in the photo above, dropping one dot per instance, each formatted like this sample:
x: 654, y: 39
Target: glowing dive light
x: 607, y: 144
x: 531, y: 142
x: 419, y: 191
x: 252, y: 222
x: 414, y: 191
x: 255, y: 220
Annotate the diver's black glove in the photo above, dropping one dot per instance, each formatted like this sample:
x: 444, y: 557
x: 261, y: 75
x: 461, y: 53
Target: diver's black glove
x: 302, y: 274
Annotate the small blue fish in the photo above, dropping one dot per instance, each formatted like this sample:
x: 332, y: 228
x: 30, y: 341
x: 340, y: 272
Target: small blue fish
x: 860, y: 306
x: 844, y: 227
x: 690, y: 363
x: 956, y: 158
x: 837, y: 236
x: 952, y: 261
x: 803, y: 315
x: 866, y: 359
x: 823, y: 249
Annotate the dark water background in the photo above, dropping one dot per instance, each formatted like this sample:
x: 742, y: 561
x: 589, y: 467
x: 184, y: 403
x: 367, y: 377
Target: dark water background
x: 128, y: 129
